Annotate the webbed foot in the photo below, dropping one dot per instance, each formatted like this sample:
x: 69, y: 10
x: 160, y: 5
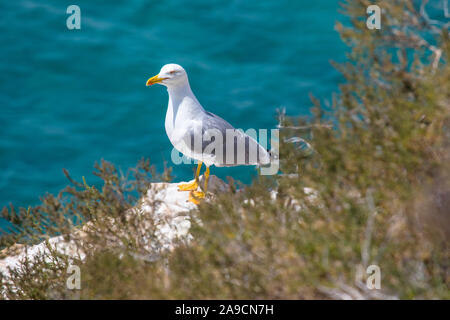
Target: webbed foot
x: 196, y: 196
x: 188, y: 186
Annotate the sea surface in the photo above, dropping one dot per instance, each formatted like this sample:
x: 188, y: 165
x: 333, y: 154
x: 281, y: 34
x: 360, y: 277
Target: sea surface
x: 69, y: 98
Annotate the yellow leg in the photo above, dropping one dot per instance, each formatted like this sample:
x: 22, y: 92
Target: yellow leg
x: 192, y: 185
x: 195, y: 196
x: 206, y: 178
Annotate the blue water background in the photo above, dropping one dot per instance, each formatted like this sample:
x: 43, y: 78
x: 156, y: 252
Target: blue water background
x: 69, y: 98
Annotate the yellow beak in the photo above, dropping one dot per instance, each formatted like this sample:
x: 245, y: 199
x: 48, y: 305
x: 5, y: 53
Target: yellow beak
x: 153, y: 80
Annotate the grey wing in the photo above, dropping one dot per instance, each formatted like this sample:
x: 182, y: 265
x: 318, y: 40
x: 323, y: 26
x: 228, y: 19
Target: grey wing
x: 216, y: 122
x: 227, y: 145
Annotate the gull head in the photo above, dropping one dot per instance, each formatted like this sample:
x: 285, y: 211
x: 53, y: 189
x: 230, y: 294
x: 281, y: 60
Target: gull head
x: 170, y: 75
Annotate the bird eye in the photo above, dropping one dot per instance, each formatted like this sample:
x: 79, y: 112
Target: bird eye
x: 172, y: 72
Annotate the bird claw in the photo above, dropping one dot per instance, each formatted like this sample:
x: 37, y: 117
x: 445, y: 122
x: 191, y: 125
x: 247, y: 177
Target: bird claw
x: 196, y: 196
x: 188, y: 186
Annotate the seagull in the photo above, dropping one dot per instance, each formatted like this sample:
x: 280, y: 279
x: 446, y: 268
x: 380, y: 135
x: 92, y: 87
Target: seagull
x: 202, y: 135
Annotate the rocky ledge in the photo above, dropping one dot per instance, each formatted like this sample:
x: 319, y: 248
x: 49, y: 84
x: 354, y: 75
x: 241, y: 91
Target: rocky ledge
x: 170, y: 213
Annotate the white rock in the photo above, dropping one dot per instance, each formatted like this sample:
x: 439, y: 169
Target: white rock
x: 170, y: 216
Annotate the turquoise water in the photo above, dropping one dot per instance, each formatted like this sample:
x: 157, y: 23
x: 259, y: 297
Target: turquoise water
x: 71, y: 97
